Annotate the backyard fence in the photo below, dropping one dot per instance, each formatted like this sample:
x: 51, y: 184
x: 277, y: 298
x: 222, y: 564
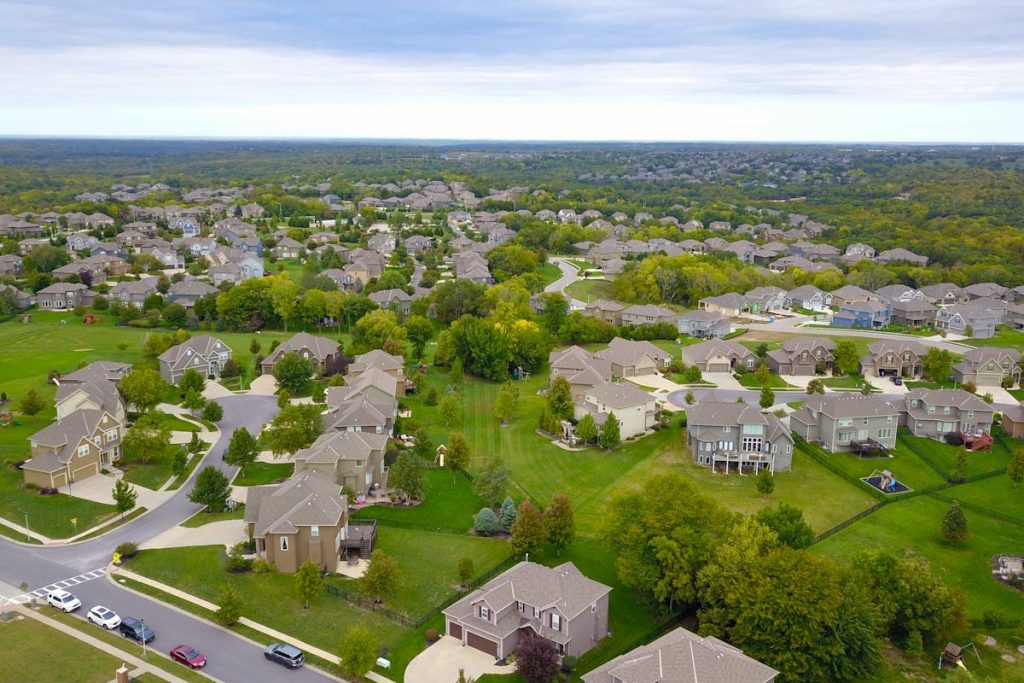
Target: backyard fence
x: 850, y: 520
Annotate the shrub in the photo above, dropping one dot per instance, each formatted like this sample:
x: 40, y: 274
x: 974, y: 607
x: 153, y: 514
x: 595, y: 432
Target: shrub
x: 431, y: 635
x: 229, y: 605
x: 237, y: 563
x: 261, y: 566
x: 127, y: 549
x: 569, y: 664
x: 486, y: 523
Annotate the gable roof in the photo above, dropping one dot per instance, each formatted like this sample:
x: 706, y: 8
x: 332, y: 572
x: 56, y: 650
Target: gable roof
x: 617, y: 395
x: 310, y: 498
x: 683, y: 657
x: 334, y: 446
x: 376, y: 358
x: 321, y: 347
x: 627, y: 352
x: 65, y: 435
x: 203, y: 346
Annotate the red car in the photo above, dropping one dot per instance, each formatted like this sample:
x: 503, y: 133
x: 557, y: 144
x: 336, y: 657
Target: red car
x: 189, y: 656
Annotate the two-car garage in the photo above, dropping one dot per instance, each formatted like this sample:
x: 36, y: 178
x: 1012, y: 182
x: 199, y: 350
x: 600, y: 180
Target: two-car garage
x: 474, y: 640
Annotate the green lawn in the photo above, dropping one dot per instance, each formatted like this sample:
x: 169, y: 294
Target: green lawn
x: 260, y: 473
x: 549, y: 272
x: 203, y: 518
x: 1004, y: 336
x: 913, y: 524
x: 290, y: 266
x: 269, y: 599
x: 944, y: 456
x: 844, y: 382
x: 590, y: 290
x: 749, y: 380
x: 24, y: 640
x: 999, y: 494
x: 450, y: 504
x: 172, y: 422
x: 193, y: 461
x: 428, y: 574
x: 1017, y: 394
x: 906, y: 466
x: 151, y: 474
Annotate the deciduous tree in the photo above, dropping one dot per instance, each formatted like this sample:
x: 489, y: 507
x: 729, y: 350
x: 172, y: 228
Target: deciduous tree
x: 211, y: 489
x: 560, y: 523
x: 358, y: 652
x: 292, y: 372
x: 125, y: 496
x: 528, y: 531
x: 449, y: 408
x: 507, y: 402
x: 143, y: 388
x: 407, y: 476
x: 457, y: 456
x: 492, y: 480
x: 788, y: 524
x: 536, y: 659
x: 559, y: 399
x: 382, y: 576
x: 308, y: 582
x: 241, y: 450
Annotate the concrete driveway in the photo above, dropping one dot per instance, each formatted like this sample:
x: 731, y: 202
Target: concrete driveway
x: 440, y: 663
x: 226, y: 532
x: 724, y: 380
x: 264, y: 385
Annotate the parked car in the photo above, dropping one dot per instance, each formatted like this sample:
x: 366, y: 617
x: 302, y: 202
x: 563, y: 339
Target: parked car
x: 286, y: 655
x: 895, y: 379
x: 188, y: 656
x: 102, y: 616
x: 62, y: 600
x: 137, y: 630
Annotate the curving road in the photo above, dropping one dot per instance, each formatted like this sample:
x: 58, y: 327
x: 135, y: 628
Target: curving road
x: 569, y: 276
x: 230, y: 658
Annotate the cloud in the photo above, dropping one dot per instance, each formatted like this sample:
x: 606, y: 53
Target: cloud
x: 420, y: 68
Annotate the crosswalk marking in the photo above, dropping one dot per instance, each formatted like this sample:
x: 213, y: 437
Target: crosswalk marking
x: 62, y: 584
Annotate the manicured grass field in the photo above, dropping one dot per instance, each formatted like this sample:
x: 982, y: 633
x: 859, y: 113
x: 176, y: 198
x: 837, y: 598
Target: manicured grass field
x: 913, y: 525
x: 904, y: 464
x: 844, y: 382
x: 203, y: 518
x: 999, y: 494
x: 172, y: 422
x: 1004, y: 336
x: 260, y: 473
x: 749, y: 380
x: 450, y: 504
x: 549, y: 272
x: 152, y: 474
x: 429, y: 562
x: 590, y: 290
x: 269, y: 599
x: 944, y: 456
x: 25, y: 640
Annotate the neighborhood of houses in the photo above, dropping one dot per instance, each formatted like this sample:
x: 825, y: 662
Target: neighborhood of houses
x: 307, y: 517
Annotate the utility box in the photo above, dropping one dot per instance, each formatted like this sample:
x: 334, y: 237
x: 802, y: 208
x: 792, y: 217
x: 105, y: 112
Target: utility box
x: 121, y: 675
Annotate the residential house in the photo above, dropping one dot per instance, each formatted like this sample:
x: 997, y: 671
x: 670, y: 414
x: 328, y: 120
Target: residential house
x: 187, y: 292
x: 394, y: 299
x: 603, y: 309
x: 204, y: 354
x: 936, y: 413
x: 417, y: 244
x: 766, y: 299
x: 346, y: 282
x: 841, y: 421
x: 986, y: 290
x: 10, y: 265
x: 133, y: 292
x: 382, y: 243
x: 893, y: 357
x: 369, y: 405
x: 26, y: 246
x: 1013, y: 421
x: 303, y: 519
x: 681, y: 656
x: 377, y: 359
x: 93, y: 387
x: 73, y: 448
x: 22, y: 300
x: 469, y: 265
x: 803, y: 356
x: 850, y: 294
x: 865, y: 314
x: 901, y: 255
x: 858, y: 251
x: 719, y: 355
x: 970, y: 320
x: 648, y: 314
x: 809, y: 297
x: 730, y: 433
x: 912, y: 313
x: 703, y: 325
x: 287, y: 248
x: 988, y: 367
x: 558, y: 604
x: 64, y: 296
x: 353, y: 459
x: 731, y: 304
x: 633, y: 408
x: 900, y: 293
x: 582, y: 369
x: 633, y: 358
x: 320, y: 350
x: 944, y: 294
x: 1013, y: 317
x: 81, y: 241
x: 163, y: 252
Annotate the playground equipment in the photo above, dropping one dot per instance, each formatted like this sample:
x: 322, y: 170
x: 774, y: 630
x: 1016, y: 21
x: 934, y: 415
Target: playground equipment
x: 977, y: 442
x: 884, y: 481
x: 91, y: 319
x: 953, y: 655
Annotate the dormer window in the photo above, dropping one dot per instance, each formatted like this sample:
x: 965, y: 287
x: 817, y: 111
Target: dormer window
x: 556, y: 622
x: 485, y: 613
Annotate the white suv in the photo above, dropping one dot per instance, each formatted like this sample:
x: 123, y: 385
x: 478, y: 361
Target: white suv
x: 62, y: 600
x: 101, y: 616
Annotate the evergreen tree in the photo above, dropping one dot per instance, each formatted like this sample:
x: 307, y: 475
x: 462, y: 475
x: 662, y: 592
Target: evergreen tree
x: 767, y: 397
x: 954, y: 524
x: 508, y: 514
x: 765, y: 482
x: 610, y: 436
x: 559, y: 399
x: 32, y: 403
x: 125, y: 496
x: 586, y: 429
x: 486, y: 523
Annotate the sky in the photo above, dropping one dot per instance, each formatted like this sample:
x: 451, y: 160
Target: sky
x: 742, y: 70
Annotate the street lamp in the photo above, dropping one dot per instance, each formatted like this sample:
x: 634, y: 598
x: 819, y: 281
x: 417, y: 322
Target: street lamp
x: 28, y: 536
x: 143, y: 622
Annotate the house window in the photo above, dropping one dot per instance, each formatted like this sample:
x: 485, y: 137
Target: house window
x: 360, y: 463
x: 885, y: 433
x: 314, y: 531
x: 83, y: 451
x: 111, y: 435
x: 845, y: 437
x: 521, y: 607
x: 726, y: 429
x: 284, y: 543
x: 485, y: 613
x: 556, y: 622
x: 865, y: 421
x: 970, y: 415
x: 789, y: 449
x: 888, y: 419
